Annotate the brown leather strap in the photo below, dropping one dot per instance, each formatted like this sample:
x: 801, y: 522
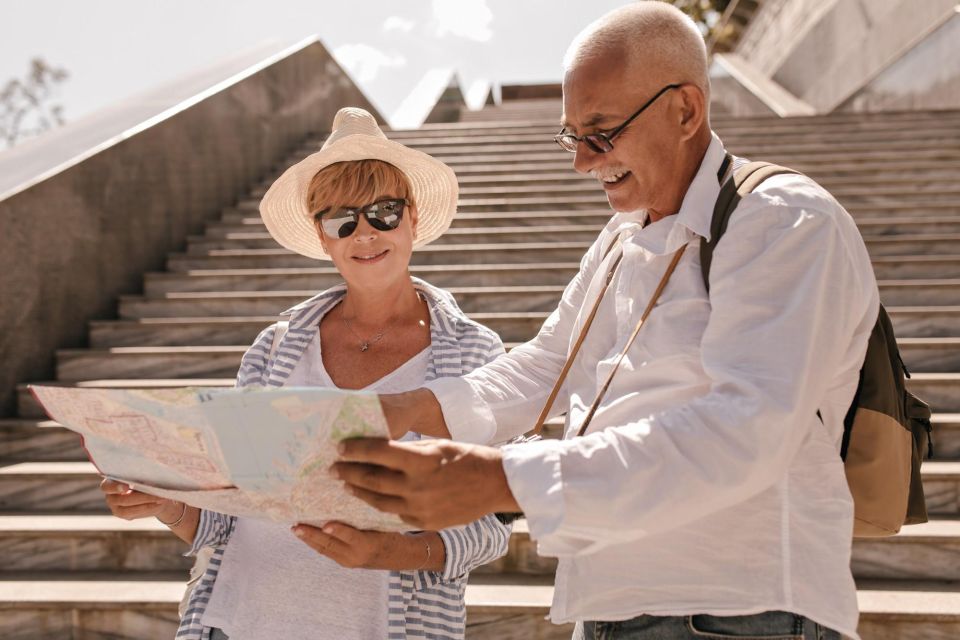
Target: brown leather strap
x: 583, y: 334
x: 646, y: 312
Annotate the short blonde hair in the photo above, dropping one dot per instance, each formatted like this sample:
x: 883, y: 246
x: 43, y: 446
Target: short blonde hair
x: 356, y: 182
x: 639, y: 30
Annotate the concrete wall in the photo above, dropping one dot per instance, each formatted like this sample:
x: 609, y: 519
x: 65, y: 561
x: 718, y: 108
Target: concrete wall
x: 78, y: 234
x: 826, y: 51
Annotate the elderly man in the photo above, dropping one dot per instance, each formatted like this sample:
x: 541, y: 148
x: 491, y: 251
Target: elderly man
x: 706, y: 499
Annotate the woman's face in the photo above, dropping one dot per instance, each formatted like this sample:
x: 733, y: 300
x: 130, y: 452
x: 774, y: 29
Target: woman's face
x: 370, y: 258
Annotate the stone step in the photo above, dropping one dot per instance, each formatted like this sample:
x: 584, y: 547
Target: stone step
x: 517, y: 252
x: 848, y: 171
x: 213, y: 308
x: 120, y: 606
x: 236, y: 318
x: 563, y: 173
x: 782, y: 136
x: 773, y: 129
x: 99, y: 605
x: 935, y: 355
x: 905, y: 244
x: 260, y: 239
x: 42, y: 542
x: 495, y: 221
x: 44, y: 487
x: 893, y: 293
x: 893, y: 256
x: 575, y: 184
x: 321, y: 275
x: 905, y: 147
x: 91, y: 606
x: 915, y: 207
x: 33, y: 440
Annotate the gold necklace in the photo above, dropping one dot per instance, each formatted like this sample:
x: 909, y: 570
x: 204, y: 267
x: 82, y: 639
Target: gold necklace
x: 366, y: 344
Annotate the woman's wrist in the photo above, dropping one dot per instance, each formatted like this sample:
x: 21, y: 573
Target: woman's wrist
x: 173, y: 514
x: 425, y: 551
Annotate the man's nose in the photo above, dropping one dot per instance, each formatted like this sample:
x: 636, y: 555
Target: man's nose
x: 584, y: 158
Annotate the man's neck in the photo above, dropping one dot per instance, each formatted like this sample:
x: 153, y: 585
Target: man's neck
x: 688, y: 164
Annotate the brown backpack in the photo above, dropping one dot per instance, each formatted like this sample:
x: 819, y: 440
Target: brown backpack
x: 887, y: 429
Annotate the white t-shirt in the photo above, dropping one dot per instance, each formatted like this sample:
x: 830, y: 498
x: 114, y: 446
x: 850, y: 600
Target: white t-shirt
x: 272, y: 585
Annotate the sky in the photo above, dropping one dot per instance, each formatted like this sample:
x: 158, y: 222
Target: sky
x: 117, y: 48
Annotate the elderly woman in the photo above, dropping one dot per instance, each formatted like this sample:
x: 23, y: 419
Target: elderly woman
x: 365, y: 203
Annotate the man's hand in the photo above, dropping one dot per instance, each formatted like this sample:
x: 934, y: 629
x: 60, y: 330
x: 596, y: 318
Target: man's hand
x: 416, y: 410
x: 359, y: 549
x: 430, y: 484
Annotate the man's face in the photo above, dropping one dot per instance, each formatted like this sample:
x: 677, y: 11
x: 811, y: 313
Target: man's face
x: 599, y: 96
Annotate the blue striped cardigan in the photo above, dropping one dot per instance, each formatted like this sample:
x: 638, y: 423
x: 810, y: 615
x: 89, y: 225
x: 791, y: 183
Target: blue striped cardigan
x: 422, y: 604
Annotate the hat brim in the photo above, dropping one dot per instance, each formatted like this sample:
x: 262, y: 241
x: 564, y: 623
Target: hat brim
x: 434, y: 188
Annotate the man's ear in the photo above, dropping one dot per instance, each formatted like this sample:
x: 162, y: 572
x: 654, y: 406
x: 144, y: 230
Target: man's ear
x: 693, y: 109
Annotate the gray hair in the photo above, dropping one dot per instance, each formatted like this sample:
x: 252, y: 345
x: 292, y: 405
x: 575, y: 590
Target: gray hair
x: 639, y: 30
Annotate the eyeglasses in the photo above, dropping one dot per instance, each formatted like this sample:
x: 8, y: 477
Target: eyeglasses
x: 383, y: 215
x: 602, y: 142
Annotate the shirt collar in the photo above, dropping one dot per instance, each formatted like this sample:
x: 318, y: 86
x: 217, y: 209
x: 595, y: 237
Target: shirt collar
x: 697, y: 208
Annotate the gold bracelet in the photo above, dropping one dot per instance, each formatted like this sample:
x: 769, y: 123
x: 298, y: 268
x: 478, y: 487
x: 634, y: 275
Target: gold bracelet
x: 427, y: 561
x: 178, y: 520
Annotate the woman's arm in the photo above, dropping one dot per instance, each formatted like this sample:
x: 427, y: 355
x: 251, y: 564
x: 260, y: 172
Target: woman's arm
x: 359, y: 549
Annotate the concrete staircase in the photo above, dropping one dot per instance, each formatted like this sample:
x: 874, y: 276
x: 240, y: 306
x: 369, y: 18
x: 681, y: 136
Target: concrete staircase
x: 69, y: 570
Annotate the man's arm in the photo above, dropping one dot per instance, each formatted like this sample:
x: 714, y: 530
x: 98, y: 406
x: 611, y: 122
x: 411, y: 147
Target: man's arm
x: 787, y: 297
x: 416, y: 410
x: 503, y: 398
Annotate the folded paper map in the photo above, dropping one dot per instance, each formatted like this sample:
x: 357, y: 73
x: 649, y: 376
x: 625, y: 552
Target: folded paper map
x: 251, y: 452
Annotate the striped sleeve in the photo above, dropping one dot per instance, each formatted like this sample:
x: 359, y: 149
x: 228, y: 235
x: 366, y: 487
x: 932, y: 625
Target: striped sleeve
x: 472, y: 545
x: 486, y: 539
x: 213, y: 530
x: 254, y: 361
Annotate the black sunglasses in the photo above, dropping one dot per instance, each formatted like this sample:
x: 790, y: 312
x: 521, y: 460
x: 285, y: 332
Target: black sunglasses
x: 602, y: 142
x: 382, y: 215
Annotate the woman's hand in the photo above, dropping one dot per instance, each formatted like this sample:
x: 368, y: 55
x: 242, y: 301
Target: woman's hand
x: 361, y: 549
x: 128, y: 504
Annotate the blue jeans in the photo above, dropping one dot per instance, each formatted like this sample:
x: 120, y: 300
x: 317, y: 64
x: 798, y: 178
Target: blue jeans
x: 770, y: 625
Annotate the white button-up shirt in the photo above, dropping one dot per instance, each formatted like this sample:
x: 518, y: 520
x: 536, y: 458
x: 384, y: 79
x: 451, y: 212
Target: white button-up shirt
x: 705, y: 483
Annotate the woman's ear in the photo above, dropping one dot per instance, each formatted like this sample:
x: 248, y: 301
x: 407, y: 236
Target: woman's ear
x: 323, y: 238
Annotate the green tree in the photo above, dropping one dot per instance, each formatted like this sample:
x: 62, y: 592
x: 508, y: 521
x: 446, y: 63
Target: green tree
x: 707, y: 14
x: 26, y: 107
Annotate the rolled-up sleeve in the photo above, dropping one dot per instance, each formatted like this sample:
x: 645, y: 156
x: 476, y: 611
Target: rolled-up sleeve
x: 790, y: 290
x: 213, y: 529
x: 472, y: 545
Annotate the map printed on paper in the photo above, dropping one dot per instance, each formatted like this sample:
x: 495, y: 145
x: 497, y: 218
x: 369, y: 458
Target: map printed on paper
x: 248, y: 452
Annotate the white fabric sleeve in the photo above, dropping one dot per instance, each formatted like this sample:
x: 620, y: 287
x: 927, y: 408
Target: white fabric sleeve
x: 770, y: 351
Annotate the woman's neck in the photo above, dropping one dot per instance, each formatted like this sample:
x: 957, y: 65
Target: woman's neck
x: 375, y: 308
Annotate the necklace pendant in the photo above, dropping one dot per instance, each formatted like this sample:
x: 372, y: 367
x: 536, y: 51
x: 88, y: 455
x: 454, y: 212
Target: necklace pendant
x: 364, y: 346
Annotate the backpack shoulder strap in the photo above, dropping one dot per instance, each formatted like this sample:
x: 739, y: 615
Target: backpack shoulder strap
x: 745, y: 179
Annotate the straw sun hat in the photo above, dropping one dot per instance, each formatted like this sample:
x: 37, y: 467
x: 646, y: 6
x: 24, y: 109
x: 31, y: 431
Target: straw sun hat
x: 356, y: 136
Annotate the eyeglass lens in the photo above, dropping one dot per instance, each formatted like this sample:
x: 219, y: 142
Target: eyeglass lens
x: 384, y: 215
